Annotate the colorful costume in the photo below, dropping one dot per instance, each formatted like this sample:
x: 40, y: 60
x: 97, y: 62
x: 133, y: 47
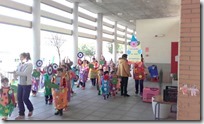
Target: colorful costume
x: 83, y: 75
x: 60, y: 94
x: 48, y: 91
x: 113, y: 84
x: 7, y: 101
x: 105, y: 86
x: 93, y: 72
x: 35, y: 81
x: 139, y: 76
x: 139, y: 71
x: 99, y: 77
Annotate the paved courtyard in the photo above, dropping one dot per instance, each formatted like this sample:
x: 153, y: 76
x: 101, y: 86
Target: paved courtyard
x: 87, y: 105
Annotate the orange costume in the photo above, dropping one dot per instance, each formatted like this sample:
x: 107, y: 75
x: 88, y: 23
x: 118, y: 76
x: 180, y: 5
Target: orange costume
x: 60, y: 94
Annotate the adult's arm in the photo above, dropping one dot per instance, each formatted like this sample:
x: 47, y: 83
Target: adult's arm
x: 26, y: 72
x: 127, y: 69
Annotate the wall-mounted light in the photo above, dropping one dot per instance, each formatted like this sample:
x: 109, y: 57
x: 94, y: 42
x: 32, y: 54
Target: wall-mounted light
x: 131, y: 20
x: 120, y: 14
x: 99, y: 1
x: 159, y: 35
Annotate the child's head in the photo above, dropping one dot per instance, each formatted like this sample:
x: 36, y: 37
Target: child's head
x: 59, y: 71
x: 106, y: 72
x: 5, y: 82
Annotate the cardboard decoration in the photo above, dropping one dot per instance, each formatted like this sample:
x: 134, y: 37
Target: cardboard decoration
x: 39, y: 63
x: 49, y: 70
x: 102, y: 62
x: 36, y: 73
x: 189, y: 90
x: 91, y: 66
x: 80, y: 55
x: 54, y: 66
x: 134, y: 50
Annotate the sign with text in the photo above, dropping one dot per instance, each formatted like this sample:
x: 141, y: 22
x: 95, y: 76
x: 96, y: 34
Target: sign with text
x: 134, y: 50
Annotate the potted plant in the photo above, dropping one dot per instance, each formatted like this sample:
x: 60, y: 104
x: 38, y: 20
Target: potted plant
x: 164, y: 108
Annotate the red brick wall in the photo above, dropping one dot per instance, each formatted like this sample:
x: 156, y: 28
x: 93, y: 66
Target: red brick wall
x: 189, y: 65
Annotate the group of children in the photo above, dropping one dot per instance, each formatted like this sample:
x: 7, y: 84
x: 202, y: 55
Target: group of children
x: 58, y: 86
x: 101, y: 74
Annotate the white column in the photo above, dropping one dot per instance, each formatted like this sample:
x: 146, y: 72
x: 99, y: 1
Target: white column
x: 99, y: 36
x: 36, y: 31
x: 75, y: 32
x: 115, y: 43
x: 126, y: 39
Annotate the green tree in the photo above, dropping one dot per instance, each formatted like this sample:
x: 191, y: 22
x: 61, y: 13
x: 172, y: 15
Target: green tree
x: 119, y: 48
x: 87, y: 50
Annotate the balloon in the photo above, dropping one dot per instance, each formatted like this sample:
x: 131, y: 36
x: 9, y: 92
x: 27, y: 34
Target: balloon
x: 128, y: 52
x: 140, y: 51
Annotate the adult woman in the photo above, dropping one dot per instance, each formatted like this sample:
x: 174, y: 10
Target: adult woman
x: 24, y: 71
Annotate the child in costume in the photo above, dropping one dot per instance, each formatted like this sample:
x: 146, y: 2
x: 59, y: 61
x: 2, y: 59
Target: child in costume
x: 83, y: 74
x: 7, y: 99
x: 113, y: 83
x: 69, y: 75
x: 139, y: 76
x: 47, y: 91
x: 99, y: 77
x: 60, y: 93
x: 105, y: 86
x: 35, y: 81
x: 93, y: 66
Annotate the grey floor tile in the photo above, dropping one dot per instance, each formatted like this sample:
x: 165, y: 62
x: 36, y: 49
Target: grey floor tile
x: 92, y: 117
x: 88, y: 105
x: 113, y: 116
x: 99, y: 114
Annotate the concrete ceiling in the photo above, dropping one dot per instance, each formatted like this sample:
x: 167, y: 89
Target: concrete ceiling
x: 132, y: 9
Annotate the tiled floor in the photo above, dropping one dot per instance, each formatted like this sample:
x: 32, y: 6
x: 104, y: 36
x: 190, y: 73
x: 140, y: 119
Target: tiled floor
x: 87, y: 105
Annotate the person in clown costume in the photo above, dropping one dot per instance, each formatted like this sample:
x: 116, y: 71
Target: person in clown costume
x: 69, y: 75
x: 113, y: 83
x: 105, y: 85
x: 98, y: 82
x: 47, y: 90
x: 83, y: 73
x: 7, y: 99
x: 93, y: 66
x: 139, y: 76
x: 35, y: 81
x: 60, y: 93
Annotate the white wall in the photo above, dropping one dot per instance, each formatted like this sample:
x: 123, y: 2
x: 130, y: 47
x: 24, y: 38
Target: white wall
x: 159, y: 47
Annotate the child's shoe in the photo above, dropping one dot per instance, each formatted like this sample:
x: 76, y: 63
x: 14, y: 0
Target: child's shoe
x: 57, y: 113
x: 4, y: 118
x: 61, y: 112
